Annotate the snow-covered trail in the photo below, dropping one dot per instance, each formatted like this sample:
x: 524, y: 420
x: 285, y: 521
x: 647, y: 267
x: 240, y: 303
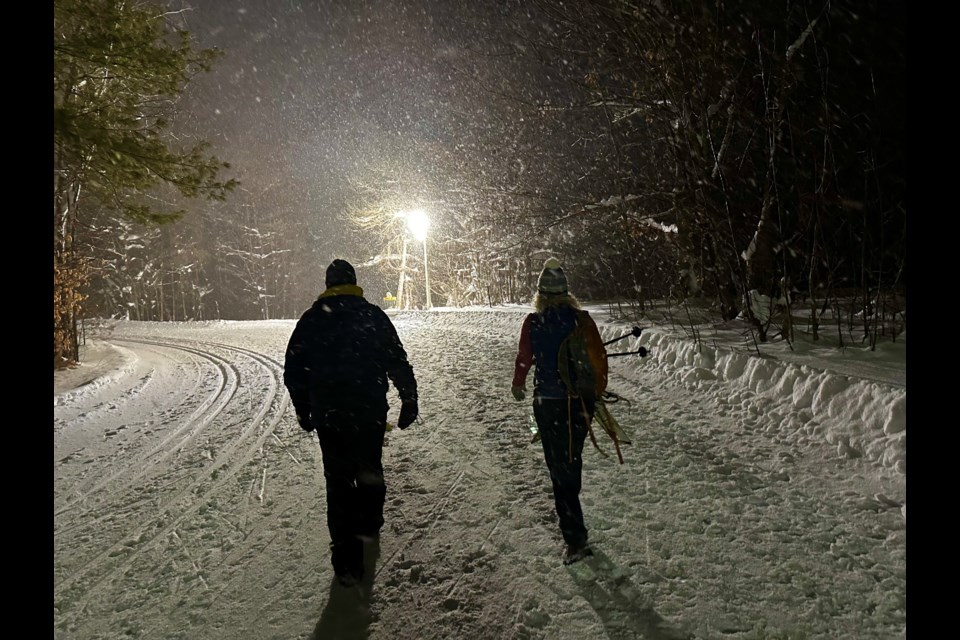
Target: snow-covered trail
x: 188, y: 504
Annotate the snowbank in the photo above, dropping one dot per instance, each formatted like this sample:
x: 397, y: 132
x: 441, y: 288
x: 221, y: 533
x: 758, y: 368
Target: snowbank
x: 101, y: 364
x: 861, y: 418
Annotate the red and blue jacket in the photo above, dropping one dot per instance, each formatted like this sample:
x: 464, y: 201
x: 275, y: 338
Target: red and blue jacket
x: 540, y: 338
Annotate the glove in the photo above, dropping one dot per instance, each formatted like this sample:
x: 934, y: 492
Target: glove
x: 519, y: 393
x: 408, y: 413
x: 304, y: 421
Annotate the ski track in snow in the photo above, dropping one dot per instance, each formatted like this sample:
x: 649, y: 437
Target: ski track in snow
x: 189, y: 504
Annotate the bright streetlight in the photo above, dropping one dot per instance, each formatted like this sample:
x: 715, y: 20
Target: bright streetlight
x: 418, y: 223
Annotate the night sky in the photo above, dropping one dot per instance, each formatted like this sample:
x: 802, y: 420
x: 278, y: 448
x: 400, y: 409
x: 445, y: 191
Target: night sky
x: 311, y: 95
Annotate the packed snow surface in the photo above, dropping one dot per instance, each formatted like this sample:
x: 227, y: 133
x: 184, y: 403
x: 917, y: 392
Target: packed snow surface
x: 761, y: 497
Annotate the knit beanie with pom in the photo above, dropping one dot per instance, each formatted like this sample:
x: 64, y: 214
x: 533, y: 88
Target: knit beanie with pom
x: 552, y: 279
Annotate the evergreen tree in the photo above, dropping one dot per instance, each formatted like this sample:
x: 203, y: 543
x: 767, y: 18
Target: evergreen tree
x: 118, y: 69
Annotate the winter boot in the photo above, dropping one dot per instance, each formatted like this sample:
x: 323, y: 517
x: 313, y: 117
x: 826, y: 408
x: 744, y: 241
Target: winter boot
x: 347, y: 560
x: 573, y: 553
x: 349, y: 579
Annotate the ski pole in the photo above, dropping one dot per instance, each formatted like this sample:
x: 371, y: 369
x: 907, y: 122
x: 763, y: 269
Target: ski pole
x: 633, y: 332
x: 641, y: 351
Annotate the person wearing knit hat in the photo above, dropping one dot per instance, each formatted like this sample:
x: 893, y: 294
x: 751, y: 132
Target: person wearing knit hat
x: 340, y: 272
x: 562, y: 413
x: 552, y: 280
x: 338, y: 360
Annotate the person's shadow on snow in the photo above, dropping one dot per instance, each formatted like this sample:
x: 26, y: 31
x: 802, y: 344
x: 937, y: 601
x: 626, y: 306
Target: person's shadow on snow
x: 624, y: 611
x: 348, y: 613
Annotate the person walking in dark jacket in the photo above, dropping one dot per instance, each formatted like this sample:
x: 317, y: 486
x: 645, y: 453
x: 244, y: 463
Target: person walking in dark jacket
x: 563, y: 417
x: 339, y: 359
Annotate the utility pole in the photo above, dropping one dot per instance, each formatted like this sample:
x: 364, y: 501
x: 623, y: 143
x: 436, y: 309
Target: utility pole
x: 403, y: 270
x: 426, y: 275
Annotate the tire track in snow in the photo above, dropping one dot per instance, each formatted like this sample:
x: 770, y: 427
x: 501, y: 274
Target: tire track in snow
x: 226, y: 460
x: 223, y: 393
x: 60, y: 424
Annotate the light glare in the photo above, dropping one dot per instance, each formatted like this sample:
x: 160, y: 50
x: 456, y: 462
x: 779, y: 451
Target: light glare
x: 418, y: 223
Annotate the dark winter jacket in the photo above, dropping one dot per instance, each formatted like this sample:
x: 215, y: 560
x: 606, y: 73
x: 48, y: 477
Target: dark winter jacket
x: 342, y: 352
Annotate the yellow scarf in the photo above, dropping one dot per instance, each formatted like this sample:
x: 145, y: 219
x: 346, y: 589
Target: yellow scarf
x: 343, y: 290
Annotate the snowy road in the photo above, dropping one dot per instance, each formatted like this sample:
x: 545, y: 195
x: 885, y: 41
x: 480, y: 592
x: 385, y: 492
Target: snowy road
x: 188, y: 504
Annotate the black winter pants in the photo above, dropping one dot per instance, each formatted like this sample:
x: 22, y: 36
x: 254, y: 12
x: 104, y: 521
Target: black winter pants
x: 563, y: 429
x: 351, y: 440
